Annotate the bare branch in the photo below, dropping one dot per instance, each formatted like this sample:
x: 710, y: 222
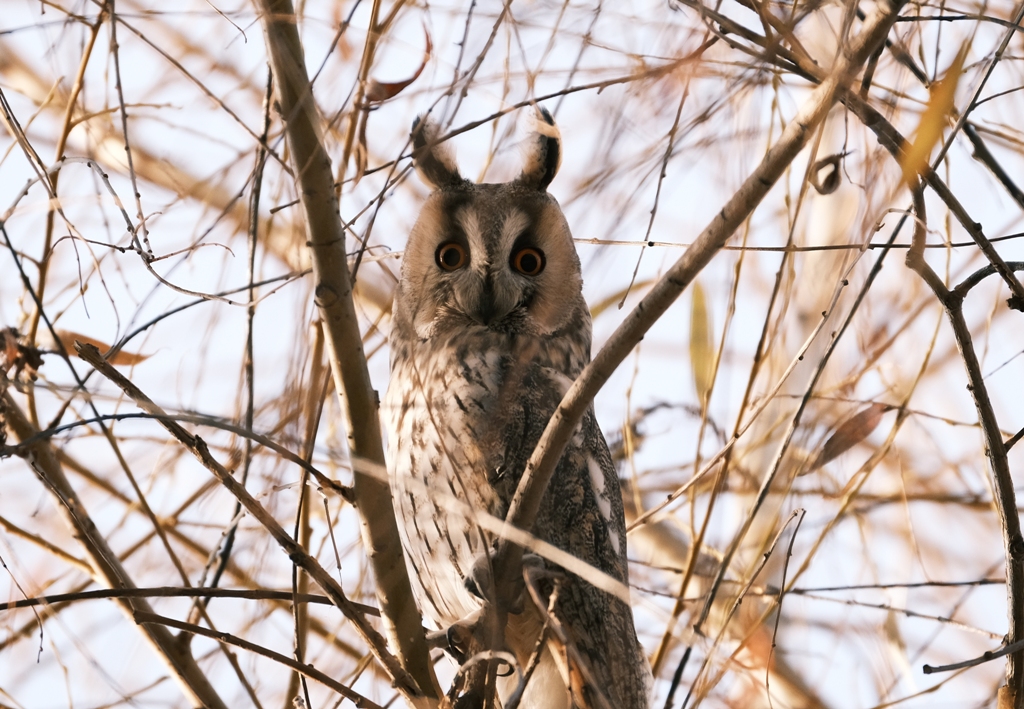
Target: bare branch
x: 333, y: 292
x: 295, y: 552
x: 107, y: 568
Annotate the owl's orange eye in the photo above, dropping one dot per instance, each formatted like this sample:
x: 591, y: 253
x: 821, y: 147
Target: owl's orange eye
x: 528, y: 261
x: 451, y: 256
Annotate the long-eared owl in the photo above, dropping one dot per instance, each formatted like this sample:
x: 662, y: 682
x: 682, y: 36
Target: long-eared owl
x: 489, y: 330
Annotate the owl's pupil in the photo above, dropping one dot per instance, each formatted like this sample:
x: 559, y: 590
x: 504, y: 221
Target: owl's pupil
x: 451, y: 257
x: 528, y: 261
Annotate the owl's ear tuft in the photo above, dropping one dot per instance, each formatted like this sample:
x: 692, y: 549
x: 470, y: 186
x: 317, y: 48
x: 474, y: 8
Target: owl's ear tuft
x: 543, y: 152
x: 434, y: 160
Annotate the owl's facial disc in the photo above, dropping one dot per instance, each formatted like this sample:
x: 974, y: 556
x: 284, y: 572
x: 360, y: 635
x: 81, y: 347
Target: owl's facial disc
x: 498, y: 256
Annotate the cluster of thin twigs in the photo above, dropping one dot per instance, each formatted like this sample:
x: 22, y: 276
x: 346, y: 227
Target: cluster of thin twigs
x: 800, y: 229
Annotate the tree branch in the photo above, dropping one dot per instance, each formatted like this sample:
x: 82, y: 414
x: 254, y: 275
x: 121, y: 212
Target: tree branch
x: 402, y: 679
x: 995, y: 450
x: 333, y: 293
x: 579, y: 398
x: 107, y: 567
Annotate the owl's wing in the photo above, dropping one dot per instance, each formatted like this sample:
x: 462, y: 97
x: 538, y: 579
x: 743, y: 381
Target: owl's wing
x: 582, y: 514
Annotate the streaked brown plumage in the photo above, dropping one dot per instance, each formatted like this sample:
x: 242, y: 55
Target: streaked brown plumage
x: 490, y: 328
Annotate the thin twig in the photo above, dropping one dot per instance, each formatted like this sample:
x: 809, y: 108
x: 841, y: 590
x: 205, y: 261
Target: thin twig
x: 197, y: 446
x: 254, y: 594
x: 147, y: 619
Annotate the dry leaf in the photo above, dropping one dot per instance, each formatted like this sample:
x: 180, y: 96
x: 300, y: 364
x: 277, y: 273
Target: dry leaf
x: 68, y: 339
x: 10, y: 344
x: 854, y: 430
x: 933, y: 120
x: 378, y: 91
x: 605, y: 303
x: 17, y: 358
x: 702, y: 356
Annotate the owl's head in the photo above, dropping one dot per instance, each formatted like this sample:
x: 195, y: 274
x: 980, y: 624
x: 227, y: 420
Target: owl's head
x: 494, y: 256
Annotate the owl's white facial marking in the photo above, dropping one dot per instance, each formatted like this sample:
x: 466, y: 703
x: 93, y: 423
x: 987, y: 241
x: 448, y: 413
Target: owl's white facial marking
x: 479, y: 261
x: 514, y: 225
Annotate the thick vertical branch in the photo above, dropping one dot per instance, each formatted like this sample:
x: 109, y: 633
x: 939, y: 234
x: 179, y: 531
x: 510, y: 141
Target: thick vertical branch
x: 333, y: 293
x: 995, y: 450
x: 995, y: 447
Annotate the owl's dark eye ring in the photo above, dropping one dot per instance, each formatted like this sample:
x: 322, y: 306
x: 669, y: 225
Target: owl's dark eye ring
x: 528, y: 261
x: 451, y: 256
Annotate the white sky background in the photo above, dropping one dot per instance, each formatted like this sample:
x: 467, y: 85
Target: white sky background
x: 614, y: 142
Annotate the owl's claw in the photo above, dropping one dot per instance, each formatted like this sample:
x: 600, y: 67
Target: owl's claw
x: 480, y: 581
x: 437, y: 639
x: 460, y: 637
x: 457, y: 638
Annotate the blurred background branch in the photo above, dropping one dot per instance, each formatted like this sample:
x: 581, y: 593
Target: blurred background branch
x: 806, y: 368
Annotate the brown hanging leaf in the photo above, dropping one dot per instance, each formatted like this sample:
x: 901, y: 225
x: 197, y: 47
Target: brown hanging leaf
x: 854, y: 430
x: 702, y: 354
x: 933, y: 120
x: 68, y: 339
x: 379, y: 91
x: 10, y: 344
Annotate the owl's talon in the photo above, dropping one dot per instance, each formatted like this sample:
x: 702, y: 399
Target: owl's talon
x: 437, y: 639
x: 457, y: 638
x: 533, y: 562
x: 480, y: 581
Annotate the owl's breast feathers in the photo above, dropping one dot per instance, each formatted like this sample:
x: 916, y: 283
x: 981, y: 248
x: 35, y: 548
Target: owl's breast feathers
x: 464, y: 413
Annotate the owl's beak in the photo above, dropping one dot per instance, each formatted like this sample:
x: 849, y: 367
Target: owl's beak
x: 486, y: 314
x: 488, y: 309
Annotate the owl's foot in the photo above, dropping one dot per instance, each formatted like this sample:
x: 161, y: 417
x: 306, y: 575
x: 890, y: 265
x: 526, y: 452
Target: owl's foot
x: 457, y: 638
x: 480, y: 581
x: 461, y: 637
